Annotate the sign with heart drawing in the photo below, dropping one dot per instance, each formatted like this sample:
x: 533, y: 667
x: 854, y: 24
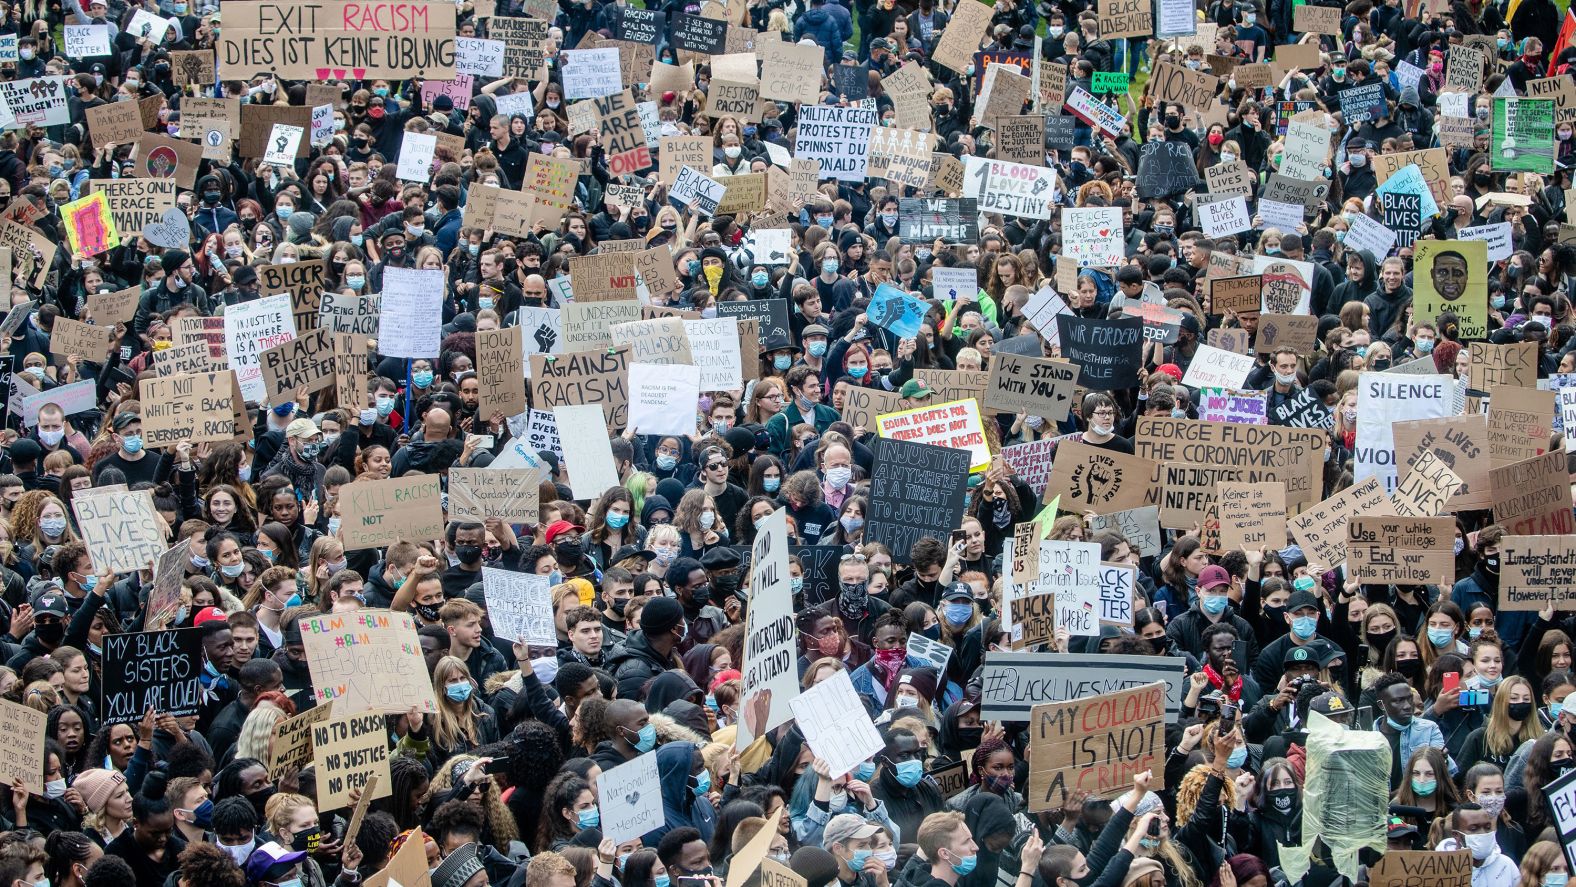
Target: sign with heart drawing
x: 171, y: 231
x: 1093, y: 236
x: 631, y: 799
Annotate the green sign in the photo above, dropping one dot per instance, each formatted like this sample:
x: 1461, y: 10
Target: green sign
x: 1522, y: 137
x: 1107, y: 83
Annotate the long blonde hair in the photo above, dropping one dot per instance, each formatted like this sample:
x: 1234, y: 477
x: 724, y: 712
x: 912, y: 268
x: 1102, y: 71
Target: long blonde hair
x: 257, y: 732
x: 453, y: 720
x: 1498, y: 737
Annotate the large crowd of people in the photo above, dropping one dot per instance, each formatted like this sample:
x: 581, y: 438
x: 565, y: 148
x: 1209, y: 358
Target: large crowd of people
x: 1277, y: 662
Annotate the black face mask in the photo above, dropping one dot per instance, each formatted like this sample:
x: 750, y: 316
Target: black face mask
x: 701, y: 595
x: 468, y: 554
x: 259, y: 800
x: 1380, y: 640
x: 1519, y: 711
x: 50, y: 633
x: 969, y: 737
x: 726, y: 584
x: 1410, y: 668
x: 617, y: 607
x: 427, y: 612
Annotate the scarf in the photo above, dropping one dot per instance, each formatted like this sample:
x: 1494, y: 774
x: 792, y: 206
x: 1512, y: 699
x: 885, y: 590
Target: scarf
x: 1218, y: 681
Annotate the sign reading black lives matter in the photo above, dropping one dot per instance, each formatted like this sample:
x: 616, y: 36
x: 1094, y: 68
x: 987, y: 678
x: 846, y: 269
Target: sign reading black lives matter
x: 1109, y: 353
x: 155, y: 670
x: 928, y: 219
x: 916, y: 490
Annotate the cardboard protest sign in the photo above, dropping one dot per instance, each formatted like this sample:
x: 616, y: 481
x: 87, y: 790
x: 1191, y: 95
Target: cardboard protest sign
x: 1402, y: 550
x: 1459, y: 442
x: 198, y: 407
x: 862, y: 405
x: 584, y: 377
x: 1438, y: 868
x: 1014, y: 683
x: 115, y: 123
x: 122, y: 530
x: 1536, y: 572
x: 1495, y: 366
x: 22, y: 745
x: 962, y: 36
x: 1252, y: 516
x: 500, y: 371
x: 1108, y: 352
x: 1095, y: 744
x: 1216, y: 368
x: 916, y: 490
x: 291, y: 749
x: 1032, y: 385
x: 408, y: 866
x: 1321, y: 530
x: 520, y: 606
x: 510, y: 494
x: 1294, y: 456
x: 1562, y: 90
x: 1426, y: 487
x: 836, y: 138
x: 378, y: 513
x: 1014, y: 189
x: 156, y: 670
x: 335, y: 39
x: 367, y: 661
x: 1294, y: 331
x: 1532, y: 497
x: 1140, y: 526
x: 141, y: 205
x: 1126, y: 18
x: 1090, y: 478
x: 347, y: 752
x: 1519, y: 424
x: 120, y: 306
x: 303, y: 363
x: 790, y: 72
x: 85, y: 340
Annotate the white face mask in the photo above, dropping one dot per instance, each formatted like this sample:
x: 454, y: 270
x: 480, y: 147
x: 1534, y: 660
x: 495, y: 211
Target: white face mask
x: 239, y: 852
x: 56, y: 788
x: 1481, y: 846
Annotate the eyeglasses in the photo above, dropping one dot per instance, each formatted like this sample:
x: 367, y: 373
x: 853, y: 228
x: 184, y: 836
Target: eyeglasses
x: 853, y: 559
x: 716, y: 465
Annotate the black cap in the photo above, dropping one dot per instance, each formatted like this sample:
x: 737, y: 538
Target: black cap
x: 26, y: 450
x: 124, y: 419
x: 721, y: 558
x: 1300, y: 600
x: 244, y: 275
x: 661, y: 614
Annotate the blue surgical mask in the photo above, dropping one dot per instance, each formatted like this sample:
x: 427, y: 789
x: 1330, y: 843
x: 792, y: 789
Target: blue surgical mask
x: 1424, y: 346
x: 858, y: 372
x: 1498, y: 302
x: 355, y: 282
x: 796, y: 584
x: 1555, y: 879
x: 865, y: 771
x: 358, y: 239
x: 1554, y: 710
x: 1304, y: 626
x: 53, y: 527
x: 618, y: 521
x: 909, y: 773
x: 646, y: 739
x: 485, y: 303
x: 771, y: 484
x: 1237, y: 758
x: 474, y: 248
x: 458, y: 692
x: 381, y: 92
x: 666, y: 462
x: 90, y: 583
x: 589, y: 818
x: 661, y: 881
x: 1441, y: 637
x: 830, y: 266
x: 760, y: 279
x: 385, y: 406
x: 966, y: 864
x: 816, y: 349
x: 1424, y: 787
x: 268, y: 553
x: 858, y: 860
x: 702, y: 784
x: 782, y: 362
x: 232, y: 571
x: 422, y: 378
x: 1474, y: 632
x: 824, y: 221
x: 1214, y: 604
x: 284, y: 212
x: 958, y: 613
x: 295, y: 599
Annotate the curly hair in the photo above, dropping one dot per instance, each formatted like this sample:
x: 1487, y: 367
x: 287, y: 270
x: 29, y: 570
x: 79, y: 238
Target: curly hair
x: 501, y: 825
x: 206, y: 864
x: 25, y: 516
x: 537, y: 760
x: 1193, y: 785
